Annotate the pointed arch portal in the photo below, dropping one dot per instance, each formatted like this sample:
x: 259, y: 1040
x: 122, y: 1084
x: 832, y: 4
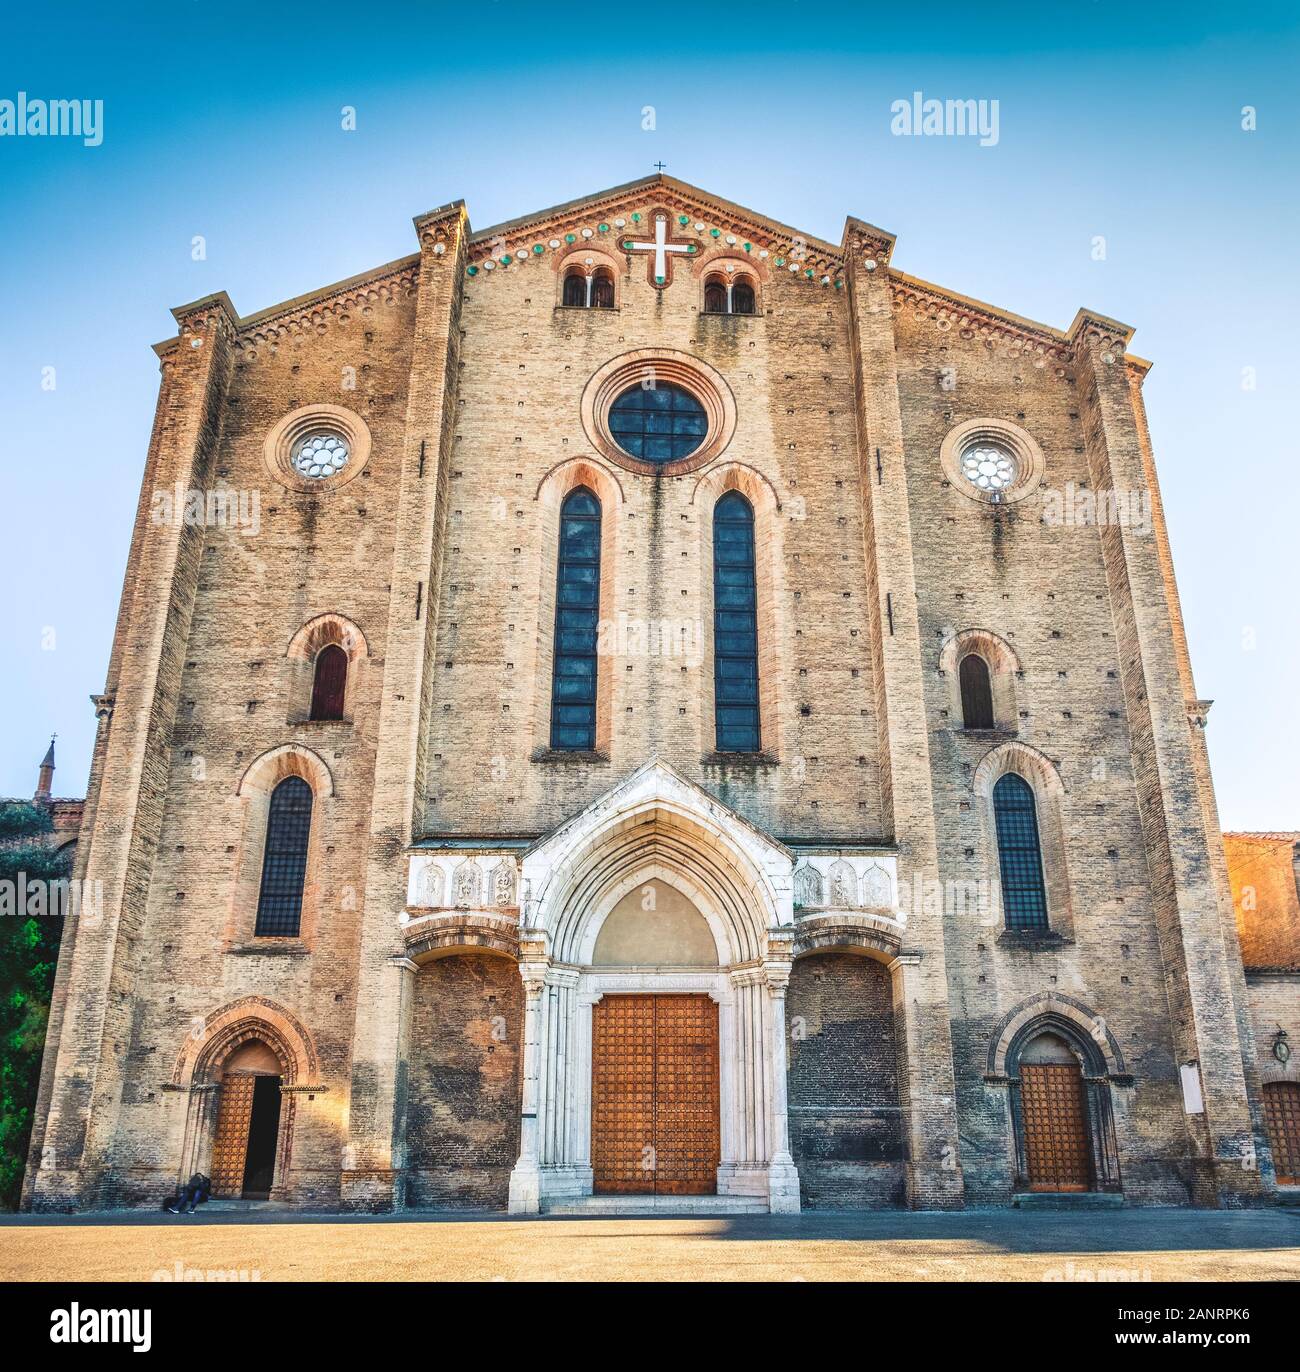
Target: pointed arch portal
x: 721, y: 991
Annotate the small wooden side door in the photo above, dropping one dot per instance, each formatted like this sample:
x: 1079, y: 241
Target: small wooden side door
x: 1056, y: 1127
x: 1282, y: 1121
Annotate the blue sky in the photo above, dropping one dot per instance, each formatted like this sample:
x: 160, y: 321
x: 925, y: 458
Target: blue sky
x: 224, y: 121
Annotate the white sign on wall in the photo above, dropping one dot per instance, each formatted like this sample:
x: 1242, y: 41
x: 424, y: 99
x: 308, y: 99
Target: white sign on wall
x: 1193, y: 1102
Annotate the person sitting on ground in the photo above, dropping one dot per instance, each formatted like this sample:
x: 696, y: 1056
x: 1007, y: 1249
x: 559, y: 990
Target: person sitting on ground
x: 193, y: 1194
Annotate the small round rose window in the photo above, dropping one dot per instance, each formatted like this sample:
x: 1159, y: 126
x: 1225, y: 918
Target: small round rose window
x: 989, y: 467
x: 320, y: 455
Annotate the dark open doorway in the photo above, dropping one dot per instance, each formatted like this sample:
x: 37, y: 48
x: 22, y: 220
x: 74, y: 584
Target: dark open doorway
x: 263, y: 1131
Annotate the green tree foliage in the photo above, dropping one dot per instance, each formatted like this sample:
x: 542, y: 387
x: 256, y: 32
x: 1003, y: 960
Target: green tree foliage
x: 29, y: 951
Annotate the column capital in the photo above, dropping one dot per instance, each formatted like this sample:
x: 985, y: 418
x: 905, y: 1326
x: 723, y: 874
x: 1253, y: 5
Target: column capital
x: 1198, y: 713
x: 780, y: 945
x: 534, y: 976
x: 778, y: 976
x: 748, y: 976
x: 534, y: 944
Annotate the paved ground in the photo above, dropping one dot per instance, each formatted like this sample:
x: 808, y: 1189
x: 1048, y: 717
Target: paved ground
x: 1129, y: 1245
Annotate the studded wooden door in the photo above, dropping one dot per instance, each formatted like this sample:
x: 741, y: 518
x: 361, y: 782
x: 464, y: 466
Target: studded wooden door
x: 1056, y: 1127
x: 654, y: 1098
x: 230, y: 1143
x: 1282, y: 1120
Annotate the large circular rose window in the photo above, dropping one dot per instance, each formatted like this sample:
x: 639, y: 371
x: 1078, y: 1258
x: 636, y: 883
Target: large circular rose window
x: 658, y: 412
x: 658, y: 422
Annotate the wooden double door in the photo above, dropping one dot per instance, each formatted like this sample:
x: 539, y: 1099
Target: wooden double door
x: 654, y: 1097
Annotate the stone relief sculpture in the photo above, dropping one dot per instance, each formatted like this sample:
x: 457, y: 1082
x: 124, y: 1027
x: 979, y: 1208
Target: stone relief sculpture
x: 844, y: 885
x: 877, y: 889
x: 465, y: 884
x: 503, y: 885
x: 428, y: 886
x: 808, y: 886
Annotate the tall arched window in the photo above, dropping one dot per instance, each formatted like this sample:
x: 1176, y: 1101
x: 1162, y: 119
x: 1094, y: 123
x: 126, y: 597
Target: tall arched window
x: 742, y: 297
x: 735, y: 627
x: 1024, y: 898
x: 602, y: 290
x: 575, y: 289
x: 577, y: 613
x: 976, y: 692
x: 330, y: 682
x: 715, y: 296
x: 284, y: 860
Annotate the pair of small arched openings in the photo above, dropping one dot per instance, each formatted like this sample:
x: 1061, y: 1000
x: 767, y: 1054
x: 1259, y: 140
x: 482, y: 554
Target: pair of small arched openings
x: 728, y: 294
x: 594, y: 290
x: 586, y: 290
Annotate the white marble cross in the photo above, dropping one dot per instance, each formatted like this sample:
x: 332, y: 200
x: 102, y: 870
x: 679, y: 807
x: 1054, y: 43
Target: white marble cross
x: 661, y: 247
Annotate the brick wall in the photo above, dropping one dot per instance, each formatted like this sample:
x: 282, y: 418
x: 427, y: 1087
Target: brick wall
x: 462, y: 1124
x: 1266, y: 897
x: 845, y: 1130
x: 1044, y: 590
x: 524, y: 365
x: 251, y: 593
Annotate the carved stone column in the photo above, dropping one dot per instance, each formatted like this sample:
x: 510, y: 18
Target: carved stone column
x: 744, y: 1173
x: 559, y: 1090
x: 526, y: 1179
x: 782, y: 1176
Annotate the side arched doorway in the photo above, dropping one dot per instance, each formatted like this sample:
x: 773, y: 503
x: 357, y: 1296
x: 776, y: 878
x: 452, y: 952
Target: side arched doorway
x: 1062, y: 1117
x: 241, y: 1076
x: 846, y: 1129
x: 246, y: 1138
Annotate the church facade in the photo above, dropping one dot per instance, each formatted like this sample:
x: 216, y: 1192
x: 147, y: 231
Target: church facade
x: 640, y: 706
